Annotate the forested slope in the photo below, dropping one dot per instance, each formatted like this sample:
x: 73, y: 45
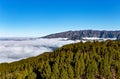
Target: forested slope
x: 90, y: 60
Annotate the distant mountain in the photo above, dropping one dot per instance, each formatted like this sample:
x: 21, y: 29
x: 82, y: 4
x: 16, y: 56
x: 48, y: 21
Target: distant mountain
x: 74, y: 35
x: 16, y: 38
x: 118, y: 37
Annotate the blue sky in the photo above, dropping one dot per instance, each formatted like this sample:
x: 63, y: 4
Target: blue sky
x: 27, y: 18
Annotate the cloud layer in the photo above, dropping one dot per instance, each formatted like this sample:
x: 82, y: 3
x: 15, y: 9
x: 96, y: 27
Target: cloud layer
x: 12, y: 50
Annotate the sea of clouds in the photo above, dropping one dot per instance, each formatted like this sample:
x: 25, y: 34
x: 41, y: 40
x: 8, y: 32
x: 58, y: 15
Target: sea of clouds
x: 14, y: 50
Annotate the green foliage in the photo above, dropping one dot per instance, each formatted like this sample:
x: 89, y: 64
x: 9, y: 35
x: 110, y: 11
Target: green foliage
x: 90, y: 60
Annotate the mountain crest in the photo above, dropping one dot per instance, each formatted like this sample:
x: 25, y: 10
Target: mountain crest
x: 77, y: 35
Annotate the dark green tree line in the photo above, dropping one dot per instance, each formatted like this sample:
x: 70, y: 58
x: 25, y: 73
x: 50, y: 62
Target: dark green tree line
x: 90, y: 60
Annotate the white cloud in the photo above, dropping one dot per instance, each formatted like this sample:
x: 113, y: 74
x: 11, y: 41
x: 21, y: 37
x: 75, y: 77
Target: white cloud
x: 16, y: 50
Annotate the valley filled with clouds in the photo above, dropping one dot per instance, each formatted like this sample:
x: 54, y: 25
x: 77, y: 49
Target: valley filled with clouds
x: 14, y: 50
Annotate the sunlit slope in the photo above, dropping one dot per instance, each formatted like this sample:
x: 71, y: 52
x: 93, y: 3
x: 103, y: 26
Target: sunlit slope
x: 90, y: 60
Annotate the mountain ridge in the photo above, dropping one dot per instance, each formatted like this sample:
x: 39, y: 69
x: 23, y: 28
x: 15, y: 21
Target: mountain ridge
x: 79, y: 34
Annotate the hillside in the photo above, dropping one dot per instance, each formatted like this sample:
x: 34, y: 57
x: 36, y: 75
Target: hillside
x: 90, y: 60
x: 74, y: 35
x: 118, y: 37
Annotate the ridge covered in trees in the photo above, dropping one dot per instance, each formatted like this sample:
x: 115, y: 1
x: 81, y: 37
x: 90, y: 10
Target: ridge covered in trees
x: 90, y: 60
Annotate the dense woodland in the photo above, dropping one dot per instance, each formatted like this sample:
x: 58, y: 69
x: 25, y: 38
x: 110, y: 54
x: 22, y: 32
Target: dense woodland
x: 90, y: 60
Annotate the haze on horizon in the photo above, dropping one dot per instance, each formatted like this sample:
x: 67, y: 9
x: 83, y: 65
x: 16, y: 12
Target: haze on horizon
x: 35, y: 18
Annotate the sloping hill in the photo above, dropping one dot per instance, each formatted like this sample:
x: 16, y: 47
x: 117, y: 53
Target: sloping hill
x: 90, y: 60
x: 74, y: 35
x: 118, y: 37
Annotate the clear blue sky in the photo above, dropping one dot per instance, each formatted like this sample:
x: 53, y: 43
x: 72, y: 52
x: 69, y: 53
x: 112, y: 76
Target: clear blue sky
x: 41, y: 17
